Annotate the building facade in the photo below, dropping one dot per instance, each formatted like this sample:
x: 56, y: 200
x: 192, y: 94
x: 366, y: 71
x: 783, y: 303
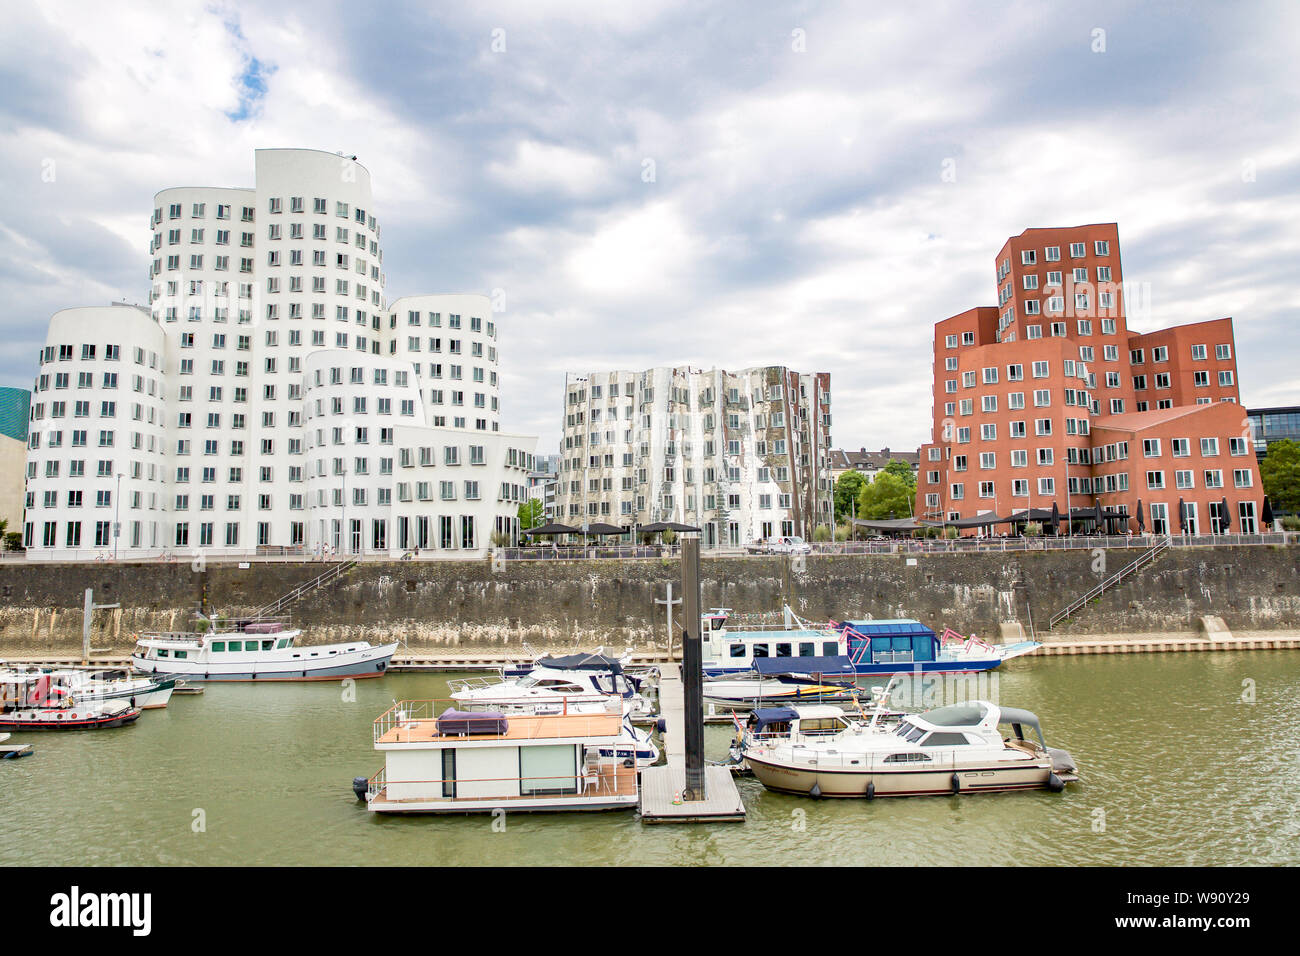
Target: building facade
x: 870, y: 463
x: 1048, y: 398
x: 15, y: 408
x: 741, y: 455
x: 1268, y: 425
x: 270, y: 398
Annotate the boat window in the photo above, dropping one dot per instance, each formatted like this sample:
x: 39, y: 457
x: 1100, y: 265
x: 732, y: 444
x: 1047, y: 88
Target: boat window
x: 527, y: 682
x: 760, y: 650
x: 821, y: 725
x: 783, y: 650
x: 218, y: 646
x: 568, y: 689
x: 162, y: 652
x: 907, y: 758
x: 182, y: 654
x: 737, y: 650
x: 807, y: 649
x: 284, y: 642
x: 938, y: 739
x: 715, y: 623
x: 267, y: 645
x: 830, y: 648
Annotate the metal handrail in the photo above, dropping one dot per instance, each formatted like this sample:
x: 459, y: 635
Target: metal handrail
x: 320, y: 579
x: 1142, y: 560
x: 415, y: 712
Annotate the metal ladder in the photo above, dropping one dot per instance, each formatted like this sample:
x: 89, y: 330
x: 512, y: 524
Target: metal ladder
x: 321, y: 579
x: 1142, y: 561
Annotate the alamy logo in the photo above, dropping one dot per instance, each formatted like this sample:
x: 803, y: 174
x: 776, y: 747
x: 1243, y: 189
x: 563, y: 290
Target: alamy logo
x: 75, y: 909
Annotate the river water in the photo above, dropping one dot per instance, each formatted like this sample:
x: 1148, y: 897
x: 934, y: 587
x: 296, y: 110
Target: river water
x: 1185, y: 759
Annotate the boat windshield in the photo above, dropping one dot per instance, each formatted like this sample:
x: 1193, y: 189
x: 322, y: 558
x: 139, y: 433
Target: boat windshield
x: 528, y: 682
x: 909, y: 732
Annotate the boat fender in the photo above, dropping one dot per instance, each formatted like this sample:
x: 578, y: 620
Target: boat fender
x: 629, y: 762
x: 816, y: 790
x: 871, y: 790
x: 360, y: 785
x: 956, y: 783
x: 1055, y: 783
x: 662, y: 725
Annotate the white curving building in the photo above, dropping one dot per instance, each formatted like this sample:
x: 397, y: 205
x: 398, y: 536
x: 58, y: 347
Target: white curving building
x: 741, y: 455
x: 270, y: 398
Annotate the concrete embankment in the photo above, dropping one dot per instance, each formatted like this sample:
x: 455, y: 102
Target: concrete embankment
x: 471, y: 609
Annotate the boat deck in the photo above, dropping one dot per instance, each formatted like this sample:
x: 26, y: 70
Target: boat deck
x: 518, y: 727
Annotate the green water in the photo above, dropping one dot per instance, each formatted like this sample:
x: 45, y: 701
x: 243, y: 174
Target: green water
x: 1176, y: 769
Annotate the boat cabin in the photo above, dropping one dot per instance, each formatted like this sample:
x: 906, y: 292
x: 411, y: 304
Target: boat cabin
x: 796, y: 723
x: 899, y: 641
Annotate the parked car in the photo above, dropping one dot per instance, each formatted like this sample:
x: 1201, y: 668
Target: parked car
x: 792, y: 544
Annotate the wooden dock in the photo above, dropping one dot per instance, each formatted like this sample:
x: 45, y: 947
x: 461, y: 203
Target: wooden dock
x: 661, y: 787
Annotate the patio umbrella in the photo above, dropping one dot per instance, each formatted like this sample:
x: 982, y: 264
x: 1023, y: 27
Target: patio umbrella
x: 653, y: 526
x: 1266, y: 514
x: 553, y: 529
x: 1056, y: 518
x: 1182, y: 517
x: 678, y: 526
x: 1141, y: 519
x: 599, y: 527
x: 1101, y: 515
x: 1225, y: 519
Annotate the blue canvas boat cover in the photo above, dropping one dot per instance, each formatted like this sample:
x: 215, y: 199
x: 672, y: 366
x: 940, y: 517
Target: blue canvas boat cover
x: 582, y: 662
x: 826, y: 666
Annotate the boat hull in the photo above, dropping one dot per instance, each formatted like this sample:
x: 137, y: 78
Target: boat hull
x: 839, y: 783
x: 368, y: 662
x: 51, y: 721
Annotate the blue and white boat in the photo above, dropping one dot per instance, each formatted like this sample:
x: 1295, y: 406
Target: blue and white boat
x: 873, y: 647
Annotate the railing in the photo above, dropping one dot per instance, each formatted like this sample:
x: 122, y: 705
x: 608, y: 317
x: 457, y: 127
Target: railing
x: 415, y: 716
x: 1128, y: 569
x: 605, y: 776
x: 321, y: 579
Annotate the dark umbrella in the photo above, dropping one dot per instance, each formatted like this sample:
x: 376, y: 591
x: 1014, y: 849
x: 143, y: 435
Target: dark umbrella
x: 1225, y: 520
x: 1141, y: 519
x: 1056, y: 518
x: 602, y: 528
x: 1266, y: 514
x: 653, y: 526
x: 1101, y: 516
x: 678, y: 526
x: 553, y: 529
x: 1182, y: 517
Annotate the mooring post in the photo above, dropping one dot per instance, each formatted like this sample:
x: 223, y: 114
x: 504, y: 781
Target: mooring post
x: 692, y: 671
x: 85, y: 625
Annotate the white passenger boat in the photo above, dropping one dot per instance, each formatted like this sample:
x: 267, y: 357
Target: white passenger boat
x: 36, y: 701
x: 255, y: 649
x: 955, y: 749
x: 553, y: 686
x: 478, y: 762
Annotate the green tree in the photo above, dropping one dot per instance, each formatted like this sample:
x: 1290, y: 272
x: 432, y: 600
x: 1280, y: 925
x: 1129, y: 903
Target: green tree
x: 1280, y: 471
x: 889, y: 493
x: 531, y: 513
x: 847, y: 489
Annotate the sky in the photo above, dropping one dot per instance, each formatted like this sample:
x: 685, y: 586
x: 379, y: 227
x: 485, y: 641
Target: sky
x: 662, y: 183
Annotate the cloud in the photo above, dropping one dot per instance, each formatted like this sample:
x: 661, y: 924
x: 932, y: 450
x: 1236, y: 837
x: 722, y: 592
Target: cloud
x: 797, y: 213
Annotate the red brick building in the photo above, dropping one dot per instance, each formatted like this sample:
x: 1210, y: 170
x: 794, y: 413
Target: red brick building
x: 1048, y: 398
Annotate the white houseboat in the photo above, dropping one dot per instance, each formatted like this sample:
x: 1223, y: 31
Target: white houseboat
x: 954, y: 749
x: 476, y: 762
x: 255, y: 650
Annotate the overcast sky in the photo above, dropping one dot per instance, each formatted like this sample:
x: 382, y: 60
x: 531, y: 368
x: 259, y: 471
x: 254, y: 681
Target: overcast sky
x: 657, y: 183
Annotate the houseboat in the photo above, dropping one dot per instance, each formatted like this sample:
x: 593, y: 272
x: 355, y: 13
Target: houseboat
x: 954, y: 749
x: 36, y: 701
x: 255, y: 649
x: 873, y: 647
x: 457, y: 761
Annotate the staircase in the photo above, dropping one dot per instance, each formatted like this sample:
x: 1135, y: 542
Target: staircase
x: 336, y: 571
x: 1147, y: 557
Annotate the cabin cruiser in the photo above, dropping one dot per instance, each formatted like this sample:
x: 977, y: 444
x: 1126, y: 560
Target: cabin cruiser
x: 150, y: 693
x: 452, y: 761
x: 953, y: 749
x: 254, y: 649
x: 873, y: 647
x: 37, y: 701
x: 553, y: 685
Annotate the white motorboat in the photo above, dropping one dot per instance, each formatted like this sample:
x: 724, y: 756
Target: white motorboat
x: 150, y: 693
x: 457, y: 761
x: 954, y: 749
x: 37, y: 701
x: 777, y: 680
x: 554, y: 686
x: 255, y: 649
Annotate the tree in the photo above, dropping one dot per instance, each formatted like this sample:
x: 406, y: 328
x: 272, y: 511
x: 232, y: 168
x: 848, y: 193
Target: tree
x: 848, y: 487
x: 1280, y: 472
x: 531, y: 513
x: 888, y: 493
